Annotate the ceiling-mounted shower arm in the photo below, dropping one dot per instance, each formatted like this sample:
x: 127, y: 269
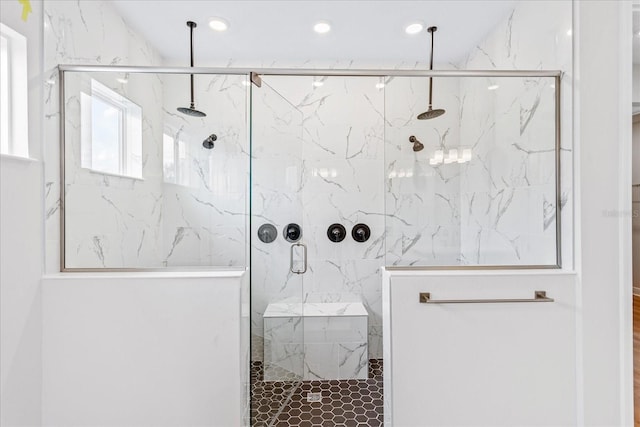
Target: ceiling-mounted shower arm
x: 191, y: 26
x: 431, y: 113
x: 191, y: 110
x: 431, y: 30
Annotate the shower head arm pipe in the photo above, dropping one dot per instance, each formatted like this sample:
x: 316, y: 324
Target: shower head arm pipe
x: 191, y: 25
x: 431, y: 30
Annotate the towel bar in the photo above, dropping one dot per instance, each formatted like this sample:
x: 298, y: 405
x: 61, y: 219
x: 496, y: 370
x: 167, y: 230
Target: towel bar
x: 539, y: 296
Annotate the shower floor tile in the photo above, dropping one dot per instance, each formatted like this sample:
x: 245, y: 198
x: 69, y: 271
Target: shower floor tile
x: 341, y: 402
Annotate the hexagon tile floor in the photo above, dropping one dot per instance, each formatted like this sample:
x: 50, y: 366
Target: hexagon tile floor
x: 343, y: 402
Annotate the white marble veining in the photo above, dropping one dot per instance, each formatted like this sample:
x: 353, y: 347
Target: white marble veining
x: 334, y: 153
x: 315, y: 341
x: 197, y: 216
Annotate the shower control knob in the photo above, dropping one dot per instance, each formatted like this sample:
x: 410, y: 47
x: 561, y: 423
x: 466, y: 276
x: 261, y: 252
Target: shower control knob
x: 292, y: 232
x: 361, y: 232
x: 267, y: 233
x: 336, y: 233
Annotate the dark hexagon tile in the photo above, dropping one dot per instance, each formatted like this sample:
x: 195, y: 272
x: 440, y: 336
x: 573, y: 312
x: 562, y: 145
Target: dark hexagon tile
x: 343, y: 402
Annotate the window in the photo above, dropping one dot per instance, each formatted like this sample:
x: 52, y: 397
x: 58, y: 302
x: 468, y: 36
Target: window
x: 111, y: 132
x: 14, y: 135
x: 176, y: 159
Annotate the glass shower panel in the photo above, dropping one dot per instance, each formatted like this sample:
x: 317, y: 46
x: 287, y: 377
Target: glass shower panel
x: 278, y: 252
x: 141, y: 189
x: 482, y: 191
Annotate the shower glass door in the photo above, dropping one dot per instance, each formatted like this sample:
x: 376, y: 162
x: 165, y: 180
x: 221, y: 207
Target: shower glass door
x: 278, y: 253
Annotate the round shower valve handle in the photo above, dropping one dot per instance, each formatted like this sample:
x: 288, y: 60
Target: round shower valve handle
x: 292, y: 232
x: 336, y: 233
x: 361, y: 233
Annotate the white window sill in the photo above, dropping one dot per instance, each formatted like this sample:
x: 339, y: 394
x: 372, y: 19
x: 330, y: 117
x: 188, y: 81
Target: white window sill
x: 115, y: 175
x: 13, y: 157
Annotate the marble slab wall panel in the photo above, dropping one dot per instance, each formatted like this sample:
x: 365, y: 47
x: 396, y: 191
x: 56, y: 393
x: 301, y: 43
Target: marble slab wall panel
x: 205, y: 204
x: 123, y: 222
x: 508, y: 190
x: 113, y: 221
x: 80, y: 33
x: 277, y: 179
x: 422, y: 200
x: 324, y: 168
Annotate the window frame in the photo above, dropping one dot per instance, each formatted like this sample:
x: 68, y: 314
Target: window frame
x: 129, y: 133
x: 14, y: 114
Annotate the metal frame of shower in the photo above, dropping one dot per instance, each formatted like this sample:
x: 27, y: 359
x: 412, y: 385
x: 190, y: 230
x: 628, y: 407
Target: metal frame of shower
x: 251, y: 74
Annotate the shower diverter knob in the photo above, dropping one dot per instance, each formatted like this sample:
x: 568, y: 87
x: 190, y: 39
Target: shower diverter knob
x: 292, y: 232
x: 336, y: 233
x: 361, y: 232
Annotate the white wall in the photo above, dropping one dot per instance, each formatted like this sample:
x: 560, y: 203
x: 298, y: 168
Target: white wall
x: 21, y: 246
x: 145, y: 350
x: 480, y: 364
x: 603, y: 179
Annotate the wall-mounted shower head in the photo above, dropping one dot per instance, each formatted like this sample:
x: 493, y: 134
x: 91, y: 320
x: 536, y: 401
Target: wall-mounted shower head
x: 209, y: 142
x: 417, y: 145
x: 191, y: 110
x: 431, y: 113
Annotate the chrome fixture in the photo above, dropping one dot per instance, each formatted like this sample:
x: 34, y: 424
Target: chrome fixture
x: 191, y: 110
x: 431, y: 113
x: 304, y: 259
x: 538, y: 296
x: 417, y: 145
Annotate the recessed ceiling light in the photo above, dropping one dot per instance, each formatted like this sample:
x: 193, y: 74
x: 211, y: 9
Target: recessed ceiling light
x: 122, y: 80
x: 317, y: 84
x: 245, y: 83
x: 414, y: 28
x: 493, y: 87
x: 322, y: 27
x: 569, y: 32
x: 218, y: 24
x: 379, y: 85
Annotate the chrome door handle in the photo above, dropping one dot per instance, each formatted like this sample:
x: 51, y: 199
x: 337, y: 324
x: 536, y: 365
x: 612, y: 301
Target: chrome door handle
x: 304, y: 259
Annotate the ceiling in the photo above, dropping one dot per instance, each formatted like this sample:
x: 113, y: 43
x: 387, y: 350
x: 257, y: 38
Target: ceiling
x: 266, y: 31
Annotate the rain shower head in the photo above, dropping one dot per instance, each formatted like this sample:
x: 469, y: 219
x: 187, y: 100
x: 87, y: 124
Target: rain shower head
x: 417, y: 145
x: 191, y: 110
x: 431, y: 113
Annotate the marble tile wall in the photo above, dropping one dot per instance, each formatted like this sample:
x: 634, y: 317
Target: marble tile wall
x: 120, y: 222
x: 318, y: 160
x: 507, y: 191
x: 342, y: 155
x: 422, y: 200
x: 78, y: 33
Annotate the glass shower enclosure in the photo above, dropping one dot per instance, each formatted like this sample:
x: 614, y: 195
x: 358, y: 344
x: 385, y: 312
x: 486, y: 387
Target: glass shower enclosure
x: 312, y: 180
